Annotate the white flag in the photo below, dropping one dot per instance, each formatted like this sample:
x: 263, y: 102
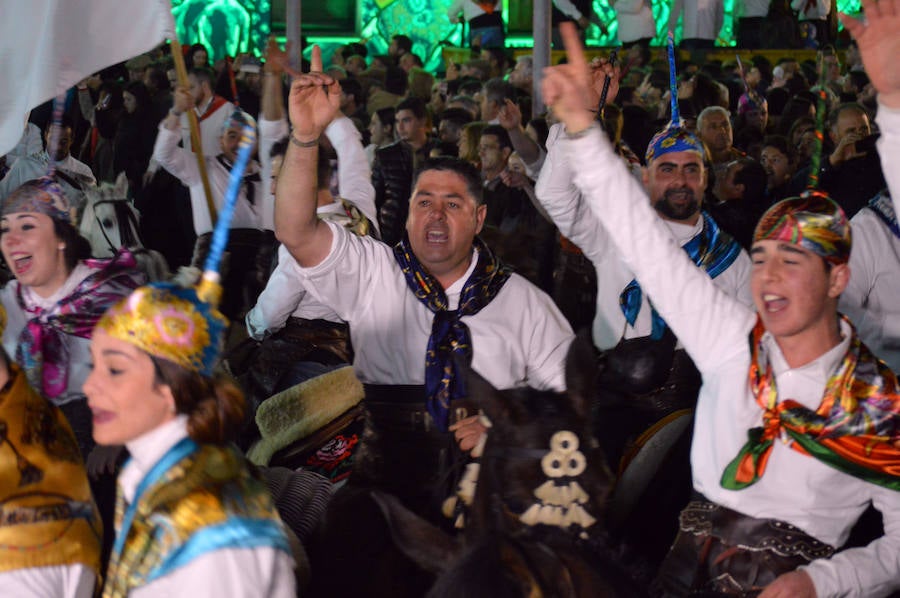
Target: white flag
x: 47, y: 46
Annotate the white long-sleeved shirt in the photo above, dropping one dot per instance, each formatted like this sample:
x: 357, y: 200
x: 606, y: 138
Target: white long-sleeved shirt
x: 635, y: 20
x: 872, y: 297
x: 567, y: 208
x: 888, y: 146
x: 210, y: 129
x: 183, y: 165
x: 270, y: 132
x: 714, y: 329
x: 36, y: 165
x: 284, y: 295
x: 520, y: 338
x: 263, y: 571
x: 702, y: 18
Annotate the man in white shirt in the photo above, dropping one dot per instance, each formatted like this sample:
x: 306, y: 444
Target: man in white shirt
x: 646, y: 370
x: 870, y: 300
x: 801, y: 446
x: 438, y: 296
x: 72, y: 174
x: 701, y: 24
x: 246, y: 235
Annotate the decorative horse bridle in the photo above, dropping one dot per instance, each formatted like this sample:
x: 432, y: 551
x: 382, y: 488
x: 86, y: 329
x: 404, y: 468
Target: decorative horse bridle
x: 130, y: 235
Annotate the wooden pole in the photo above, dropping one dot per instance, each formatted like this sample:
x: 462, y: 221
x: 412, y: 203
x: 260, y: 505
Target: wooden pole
x: 196, y: 144
x: 540, y: 52
x: 293, y: 25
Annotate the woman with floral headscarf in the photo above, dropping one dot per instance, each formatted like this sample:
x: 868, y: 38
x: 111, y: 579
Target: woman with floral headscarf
x: 57, y: 297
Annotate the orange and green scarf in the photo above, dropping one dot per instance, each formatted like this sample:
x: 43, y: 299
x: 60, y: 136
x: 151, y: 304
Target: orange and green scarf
x: 856, y: 428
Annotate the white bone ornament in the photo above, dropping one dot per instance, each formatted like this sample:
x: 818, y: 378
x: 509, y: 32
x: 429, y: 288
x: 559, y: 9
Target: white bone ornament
x: 575, y: 464
x: 552, y: 464
x: 559, y: 503
x: 564, y: 441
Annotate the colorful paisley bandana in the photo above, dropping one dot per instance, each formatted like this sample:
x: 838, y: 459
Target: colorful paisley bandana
x: 813, y: 221
x: 856, y: 428
x: 449, y: 335
x: 673, y: 139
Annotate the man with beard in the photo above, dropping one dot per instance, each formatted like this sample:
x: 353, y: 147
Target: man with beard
x: 796, y: 423
x: 646, y: 370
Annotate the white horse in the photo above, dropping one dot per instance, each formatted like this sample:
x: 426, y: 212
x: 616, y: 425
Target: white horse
x: 110, y: 222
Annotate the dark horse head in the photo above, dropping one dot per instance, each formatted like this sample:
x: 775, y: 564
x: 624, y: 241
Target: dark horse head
x: 534, y: 527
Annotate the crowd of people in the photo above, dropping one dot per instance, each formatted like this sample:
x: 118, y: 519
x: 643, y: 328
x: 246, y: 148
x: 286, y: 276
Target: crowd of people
x: 414, y: 224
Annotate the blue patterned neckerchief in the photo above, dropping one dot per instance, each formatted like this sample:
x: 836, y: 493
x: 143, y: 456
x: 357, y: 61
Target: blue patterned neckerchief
x: 882, y: 205
x: 711, y: 249
x: 449, y: 335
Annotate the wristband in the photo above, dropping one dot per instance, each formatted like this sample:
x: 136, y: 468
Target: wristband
x: 298, y: 143
x: 175, y: 113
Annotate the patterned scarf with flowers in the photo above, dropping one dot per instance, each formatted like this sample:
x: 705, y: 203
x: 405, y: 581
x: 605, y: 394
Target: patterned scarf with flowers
x: 41, y: 348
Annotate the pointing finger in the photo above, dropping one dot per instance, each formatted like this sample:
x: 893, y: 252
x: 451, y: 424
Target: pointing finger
x: 316, y: 59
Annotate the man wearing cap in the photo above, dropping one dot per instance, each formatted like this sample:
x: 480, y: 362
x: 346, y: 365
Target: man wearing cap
x: 796, y: 430
x: 246, y: 234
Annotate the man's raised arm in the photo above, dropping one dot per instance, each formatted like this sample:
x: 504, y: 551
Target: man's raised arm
x: 879, y: 46
x: 313, y: 102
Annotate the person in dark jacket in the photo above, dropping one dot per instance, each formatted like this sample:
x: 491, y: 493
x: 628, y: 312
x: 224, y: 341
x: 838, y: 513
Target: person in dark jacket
x: 396, y: 165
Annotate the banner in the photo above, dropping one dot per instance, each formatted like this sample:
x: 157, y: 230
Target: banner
x: 47, y: 46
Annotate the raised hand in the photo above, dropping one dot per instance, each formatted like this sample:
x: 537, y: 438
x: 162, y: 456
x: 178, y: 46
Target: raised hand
x: 600, y: 70
x: 510, y: 116
x: 568, y: 87
x: 879, y: 45
x: 182, y: 100
x: 314, y: 100
x: 276, y: 58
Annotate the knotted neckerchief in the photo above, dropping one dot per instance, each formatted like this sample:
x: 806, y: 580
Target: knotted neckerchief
x: 246, y: 181
x: 711, y: 249
x: 449, y: 335
x: 41, y: 348
x: 883, y: 207
x: 855, y: 429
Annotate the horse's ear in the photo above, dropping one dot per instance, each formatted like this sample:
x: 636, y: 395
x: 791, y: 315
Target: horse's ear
x: 581, y: 373
x: 496, y: 404
x: 423, y: 543
x: 121, y: 187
